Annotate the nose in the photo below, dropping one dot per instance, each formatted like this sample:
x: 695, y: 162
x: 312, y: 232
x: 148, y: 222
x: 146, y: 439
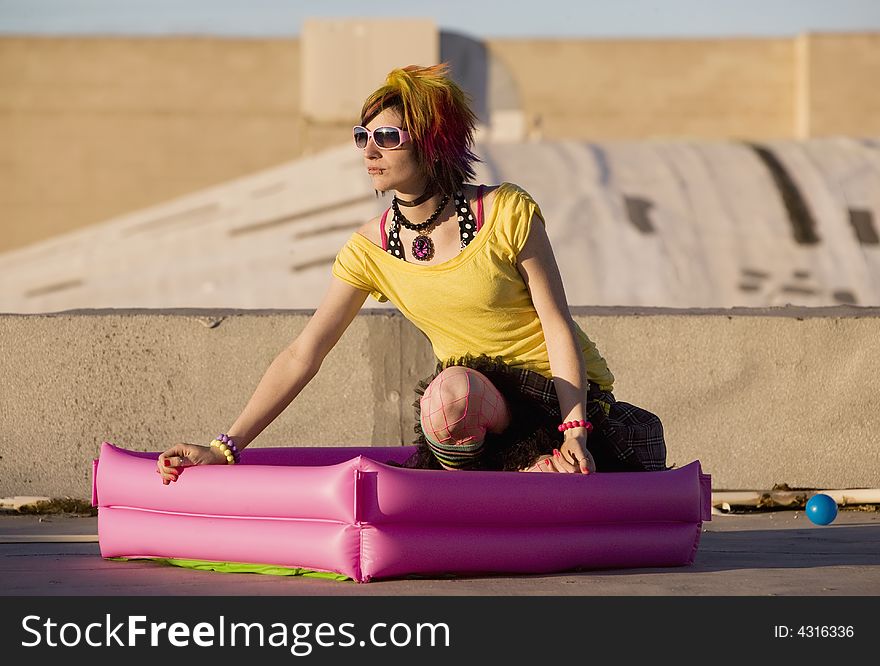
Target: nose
x: 371, y: 149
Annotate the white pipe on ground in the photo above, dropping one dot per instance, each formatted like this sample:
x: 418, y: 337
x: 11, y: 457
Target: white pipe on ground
x: 796, y: 498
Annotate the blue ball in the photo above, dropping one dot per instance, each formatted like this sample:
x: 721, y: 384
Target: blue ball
x: 821, y: 509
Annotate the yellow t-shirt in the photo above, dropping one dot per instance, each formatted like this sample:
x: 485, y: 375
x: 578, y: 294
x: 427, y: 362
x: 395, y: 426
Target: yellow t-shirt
x: 475, y: 303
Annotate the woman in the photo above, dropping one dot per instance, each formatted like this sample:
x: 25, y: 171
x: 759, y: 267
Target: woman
x: 518, y: 386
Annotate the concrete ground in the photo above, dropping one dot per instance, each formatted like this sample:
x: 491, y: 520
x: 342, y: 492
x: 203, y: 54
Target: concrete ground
x: 777, y: 553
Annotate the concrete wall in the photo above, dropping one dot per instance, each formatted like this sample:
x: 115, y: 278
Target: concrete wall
x: 96, y: 127
x: 678, y: 224
x: 760, y: 397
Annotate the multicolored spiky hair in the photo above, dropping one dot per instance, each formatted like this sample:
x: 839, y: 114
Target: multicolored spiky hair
x: 438, y: 117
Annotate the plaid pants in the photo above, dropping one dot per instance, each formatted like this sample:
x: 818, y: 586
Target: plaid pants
x: 625, y: 437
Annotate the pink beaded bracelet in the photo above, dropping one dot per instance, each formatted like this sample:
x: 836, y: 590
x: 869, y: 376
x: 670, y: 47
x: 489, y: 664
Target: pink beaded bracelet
x: 568, y: 425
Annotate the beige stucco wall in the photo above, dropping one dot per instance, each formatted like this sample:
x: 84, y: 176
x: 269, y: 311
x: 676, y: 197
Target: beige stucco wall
x: 92, y: 128
x: 645, y: 89
x: 95, y: 127
x: 839, y: 93
x: 760, y: 397
x: 341, y: 65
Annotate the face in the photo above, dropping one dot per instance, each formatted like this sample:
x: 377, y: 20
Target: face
x: 395, y: 169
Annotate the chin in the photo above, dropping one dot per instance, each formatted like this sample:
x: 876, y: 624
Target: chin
x: 384, y: 185
x: 380, y: 181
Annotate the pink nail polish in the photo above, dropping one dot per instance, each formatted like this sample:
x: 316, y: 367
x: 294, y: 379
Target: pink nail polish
x: 556, y: 452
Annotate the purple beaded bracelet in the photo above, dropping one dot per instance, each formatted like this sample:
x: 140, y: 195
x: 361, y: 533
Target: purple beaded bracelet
x: 230, y: 444
x: 226, y: 439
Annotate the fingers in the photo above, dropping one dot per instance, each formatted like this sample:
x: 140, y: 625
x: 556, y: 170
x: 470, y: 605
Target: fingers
x: 177, y: 461
x: 541, y: 465
x: 587, y: 465
x: 547, y: 464
x: 168, y: 471
x: 558, y: 463
x: 561, y: 463
x: 555, y: 463
x: 576, y: 458
x: 171, y: 462
x: 169, y: 476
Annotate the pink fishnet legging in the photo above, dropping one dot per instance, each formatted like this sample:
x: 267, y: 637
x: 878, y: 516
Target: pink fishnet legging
x: 460, y: 405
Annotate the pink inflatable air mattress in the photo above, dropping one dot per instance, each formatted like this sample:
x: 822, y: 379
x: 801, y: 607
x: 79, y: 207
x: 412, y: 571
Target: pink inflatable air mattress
x: 344, y: 510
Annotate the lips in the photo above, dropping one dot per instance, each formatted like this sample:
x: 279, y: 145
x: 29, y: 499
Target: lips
x: 374, y: 171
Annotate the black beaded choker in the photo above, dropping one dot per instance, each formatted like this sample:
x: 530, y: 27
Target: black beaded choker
x: 422, y: 245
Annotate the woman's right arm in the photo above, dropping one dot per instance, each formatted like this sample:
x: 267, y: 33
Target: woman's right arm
x: 287, y: 375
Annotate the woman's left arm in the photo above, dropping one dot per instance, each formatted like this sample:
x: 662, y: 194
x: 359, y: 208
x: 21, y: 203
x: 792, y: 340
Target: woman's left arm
x: 537, y: 265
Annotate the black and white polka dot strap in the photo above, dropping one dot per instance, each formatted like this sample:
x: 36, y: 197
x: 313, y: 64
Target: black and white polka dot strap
x: 467, y: 225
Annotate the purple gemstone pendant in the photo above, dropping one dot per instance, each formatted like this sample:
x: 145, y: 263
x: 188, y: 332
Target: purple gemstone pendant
x: 422, y: 248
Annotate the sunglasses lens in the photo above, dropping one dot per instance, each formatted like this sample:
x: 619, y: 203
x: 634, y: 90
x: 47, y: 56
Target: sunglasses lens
x: 387, y: 137
x: 360, y: 137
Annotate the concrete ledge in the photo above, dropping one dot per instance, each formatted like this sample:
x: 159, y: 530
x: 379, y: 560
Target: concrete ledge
x: 761, y: 397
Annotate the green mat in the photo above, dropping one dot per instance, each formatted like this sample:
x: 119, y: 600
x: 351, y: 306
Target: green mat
x: 237, y: 567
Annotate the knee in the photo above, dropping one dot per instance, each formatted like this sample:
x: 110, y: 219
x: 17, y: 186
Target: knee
x: 455, y: 391
x: 449, y: 391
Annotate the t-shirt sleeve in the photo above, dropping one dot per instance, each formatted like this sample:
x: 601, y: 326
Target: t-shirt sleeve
x: 350, y: 267
x: 516, y: 212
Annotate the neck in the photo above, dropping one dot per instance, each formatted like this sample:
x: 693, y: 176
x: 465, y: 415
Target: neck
x: 415, y: 202
x: 423, y: 209
x: 411, y: 190
x: 418, y: 204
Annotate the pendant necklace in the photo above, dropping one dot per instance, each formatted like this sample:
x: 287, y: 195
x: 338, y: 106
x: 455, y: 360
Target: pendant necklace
x: 422, y: 245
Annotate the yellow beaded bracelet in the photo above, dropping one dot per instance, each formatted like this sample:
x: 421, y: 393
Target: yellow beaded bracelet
x: 230, y: 459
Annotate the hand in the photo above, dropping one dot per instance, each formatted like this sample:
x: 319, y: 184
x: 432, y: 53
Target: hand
x: 542, y: 464
x: 573, y: 455
x: 566, y: 459
x: 172, y: 461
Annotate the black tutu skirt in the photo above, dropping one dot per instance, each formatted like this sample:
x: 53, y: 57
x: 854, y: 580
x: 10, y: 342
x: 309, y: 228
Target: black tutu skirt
x: 625, y: 438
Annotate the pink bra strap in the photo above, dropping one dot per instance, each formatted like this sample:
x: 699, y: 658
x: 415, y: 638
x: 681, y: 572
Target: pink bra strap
x: 479, y: 207
x: 382, y: 230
